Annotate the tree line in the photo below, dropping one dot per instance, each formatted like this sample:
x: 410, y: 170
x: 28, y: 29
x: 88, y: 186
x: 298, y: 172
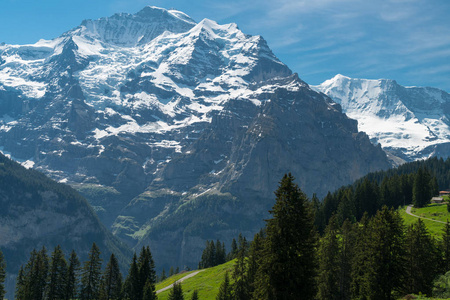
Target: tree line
x: 376, y: 258
x: 51, y: 277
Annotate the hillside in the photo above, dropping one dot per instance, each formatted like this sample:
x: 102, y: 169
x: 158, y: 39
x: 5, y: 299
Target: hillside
x: 207, y: 282
x: 35, y: 211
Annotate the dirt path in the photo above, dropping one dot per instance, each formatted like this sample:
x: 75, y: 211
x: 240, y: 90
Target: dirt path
x: 178, y: 281
x: 408, y: 211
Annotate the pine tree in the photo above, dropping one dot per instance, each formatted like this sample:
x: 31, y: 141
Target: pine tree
x: 91, y: 275
x: 72, y: 279
x: 254, y: 261
x: 345, y: 259
x: 386, y: 252
x: 56, y: 288
x: 171, y: 271
x: 359, y: 286
x: 146, y: 269
x: 329, y: 264
x: 225, y: 289
x: 445, y: 248
x: 35, y: 275
x: 111, y: 285
x: 421, y: 189
x: 149, y: 291
x: 2, y: 275
x: 194, y: 295
x: 163, y: 275
x: 20, y: 285
x: 234, y: 250
x: 288, y: 267
x: 422, y: 259
x: 176, y: 293
x: 132, y: 283
x: 240, y: 286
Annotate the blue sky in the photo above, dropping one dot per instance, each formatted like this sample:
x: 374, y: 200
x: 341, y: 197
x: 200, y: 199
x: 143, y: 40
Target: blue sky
x: 405, y: 40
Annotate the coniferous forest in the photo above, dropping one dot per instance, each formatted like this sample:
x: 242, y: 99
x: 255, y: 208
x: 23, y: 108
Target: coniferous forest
x: 351, y: 245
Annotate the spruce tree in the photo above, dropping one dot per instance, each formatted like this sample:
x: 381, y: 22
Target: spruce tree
x: 132, y: 283
x: 359, y: 270
x: 195, y: 295
x: 2, y: 275
x: 421, y: 188
x: 225, y: 289
x: 386, y: 255
x: 329, y: 263
x: 345, y: 259
x: 111, y: 285
x: 445, y: 248
x: 146, y: 269
x: 72, y: 279
x: 176, y: 293
x: 254, y: 261
x: 91, y: 275
x: 288, y: 267
x: 234, y: 250
x: 56, y: 288
x: 240, y: 286
x: 20, y: 285
x: 35, y: 275
x: 163, y: 275
x: 171, y: 271
x: 422, y: 259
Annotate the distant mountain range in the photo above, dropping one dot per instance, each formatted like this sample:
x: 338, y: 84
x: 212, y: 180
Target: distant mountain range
x: 409, y: 122
x: 175, y: 131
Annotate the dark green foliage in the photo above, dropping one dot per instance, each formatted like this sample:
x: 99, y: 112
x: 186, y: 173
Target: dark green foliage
x: 149, y: 291
x: 72, y: 279
x: 422, y: 189
x: 234, y: 250
x: 213, y: 255
x: 445, y: 248
x: 171, y: 271
x: 225, y: 289
x: 163, y: 275
x: 345, y: 259
x: 240, y: 286
x: 176, y: 293
x: 111, y: 285
x: 32, y: 280
x: 2, y: 275
x: 56, y: 288
x: 194, y: 295
x: 91, y: 275
x: 20, y: 284
x: 147, y: 274
x: 132, y: 283
x: 422, y: 259
x: 441, y: 286
x: 386, y: 251
x: 329, y: 263
x: 288, y: 263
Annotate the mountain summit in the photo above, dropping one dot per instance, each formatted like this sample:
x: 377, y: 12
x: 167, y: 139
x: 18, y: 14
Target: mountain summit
x: 410, y: 122
x: 175, y: 131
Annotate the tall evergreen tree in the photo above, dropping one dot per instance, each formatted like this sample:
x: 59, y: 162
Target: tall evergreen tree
x: 225, y: 289
x: 35, y: 275
x: 56, y: 289
x: 288, y: 265
x: 254, y: 260
x: 386, y: 252
x: 359, y: 286
x: 147, y: 274
x: 91, y: 275
x: 422, y: 259
x: 176, y: 293
x: 72, y: 279
x: 20, y: 285
x: 445, y: 248
x: 421, y: 189
x: 194, y: 295
x: 234, y: 250
x: 2, y: 275
x: 329, y: 263
x: 163, y: 275
x: 132, y: 283
x: 345, y: 259
x: 111, y: 285
x: 240, y: 286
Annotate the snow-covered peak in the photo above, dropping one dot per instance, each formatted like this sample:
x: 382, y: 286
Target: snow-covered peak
x: 128, y: 30
x: 404, y: 120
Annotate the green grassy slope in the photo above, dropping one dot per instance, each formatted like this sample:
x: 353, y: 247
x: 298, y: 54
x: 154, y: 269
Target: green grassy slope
x: 207, y: 282
x: 433, y: 211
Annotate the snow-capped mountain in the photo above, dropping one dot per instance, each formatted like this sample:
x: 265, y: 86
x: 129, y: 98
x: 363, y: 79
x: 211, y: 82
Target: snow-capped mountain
x: 176, y: 131
x: 410, y: 122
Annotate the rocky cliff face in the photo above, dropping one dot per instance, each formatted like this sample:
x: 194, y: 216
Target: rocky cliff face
x: 175, y: 131
x: 410, y: 122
